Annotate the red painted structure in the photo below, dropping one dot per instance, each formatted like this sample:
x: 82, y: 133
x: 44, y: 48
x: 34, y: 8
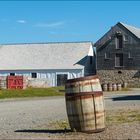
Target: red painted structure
x: 15, y: 82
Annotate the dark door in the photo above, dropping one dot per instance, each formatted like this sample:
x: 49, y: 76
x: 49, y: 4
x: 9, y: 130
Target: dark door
x: 119, y: 42
x: 119, y: 60
x: 61, y: 79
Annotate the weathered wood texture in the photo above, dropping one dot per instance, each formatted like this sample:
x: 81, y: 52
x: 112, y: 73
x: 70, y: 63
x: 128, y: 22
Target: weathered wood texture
x: 106, y: 50
x: 85, y: 104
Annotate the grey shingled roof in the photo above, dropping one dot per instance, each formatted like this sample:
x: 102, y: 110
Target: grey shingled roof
x: 43, y: 56
x: 134, y: 30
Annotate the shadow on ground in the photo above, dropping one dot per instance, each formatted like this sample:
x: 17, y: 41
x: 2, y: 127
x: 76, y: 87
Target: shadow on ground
x: 123, y: 98
x: 44, y: 131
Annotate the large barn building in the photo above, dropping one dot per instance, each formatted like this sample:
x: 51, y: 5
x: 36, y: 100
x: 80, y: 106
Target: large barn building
x: 118, y: 55
x: 54, y: 62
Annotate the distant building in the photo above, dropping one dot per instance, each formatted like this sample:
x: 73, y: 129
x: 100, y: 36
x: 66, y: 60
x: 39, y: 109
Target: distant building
x: 54, y: 62
x: 118, y: 55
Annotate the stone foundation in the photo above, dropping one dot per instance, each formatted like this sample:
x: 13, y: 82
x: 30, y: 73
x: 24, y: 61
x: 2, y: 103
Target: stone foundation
x: 3, y: 82
x: 132, y: 77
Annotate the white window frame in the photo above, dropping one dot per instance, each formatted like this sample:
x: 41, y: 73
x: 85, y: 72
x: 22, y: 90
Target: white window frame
x: 124, y: 38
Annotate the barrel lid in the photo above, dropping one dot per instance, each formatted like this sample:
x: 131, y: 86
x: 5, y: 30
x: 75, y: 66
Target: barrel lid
x: 82, y: 79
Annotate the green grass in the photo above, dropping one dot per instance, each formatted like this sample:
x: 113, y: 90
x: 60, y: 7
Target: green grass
x: 59, y: 124
x: 123, y: 116
x: 126, y: 89
x: 123, y: 89
x: 32, y: 92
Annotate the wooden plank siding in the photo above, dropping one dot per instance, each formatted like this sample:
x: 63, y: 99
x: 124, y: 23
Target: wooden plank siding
x: 129, y: 51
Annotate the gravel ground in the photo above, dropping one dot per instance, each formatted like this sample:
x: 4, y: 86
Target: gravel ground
x: 116, y: 131
x: 29, y: 118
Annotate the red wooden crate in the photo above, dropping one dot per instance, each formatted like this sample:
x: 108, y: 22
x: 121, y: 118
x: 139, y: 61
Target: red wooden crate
x: 15, y: 82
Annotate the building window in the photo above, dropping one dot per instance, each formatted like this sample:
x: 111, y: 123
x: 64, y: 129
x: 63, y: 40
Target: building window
x: 107, y: 55
x: 119, y: 60
x: 34, y: 75
x: 125, y: 38
x: 129, y: 55
x: 12, y: 74
x: 119, y: 42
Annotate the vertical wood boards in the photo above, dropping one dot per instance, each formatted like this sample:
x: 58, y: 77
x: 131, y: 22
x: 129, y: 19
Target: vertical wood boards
x: 85, y: 104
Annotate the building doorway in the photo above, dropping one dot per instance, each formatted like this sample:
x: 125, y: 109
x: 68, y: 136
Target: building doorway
x: 119, y: 60
x: 61, y: 79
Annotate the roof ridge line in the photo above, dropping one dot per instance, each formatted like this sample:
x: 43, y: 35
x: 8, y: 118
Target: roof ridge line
x: 129, y: 25
x: 48, y: 43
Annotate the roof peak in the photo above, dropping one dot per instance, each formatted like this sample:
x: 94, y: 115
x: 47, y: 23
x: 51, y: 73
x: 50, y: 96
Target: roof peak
x: 125, y: 24
x: 132, y: 29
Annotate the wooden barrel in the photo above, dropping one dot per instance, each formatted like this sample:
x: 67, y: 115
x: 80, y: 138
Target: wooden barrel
x: 125, y: 85
x: 85, y: 104
x: 104, y: 87
x: 114, y: 87
x: 109, y: 86
x: 119, y: 87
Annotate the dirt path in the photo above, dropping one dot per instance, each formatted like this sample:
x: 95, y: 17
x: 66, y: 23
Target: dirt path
x: 29, y: 118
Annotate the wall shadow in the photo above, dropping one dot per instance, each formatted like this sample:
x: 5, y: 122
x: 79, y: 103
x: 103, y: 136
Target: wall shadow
x: 137, y: 74
x: 44, y: 131
x: 123, y: 98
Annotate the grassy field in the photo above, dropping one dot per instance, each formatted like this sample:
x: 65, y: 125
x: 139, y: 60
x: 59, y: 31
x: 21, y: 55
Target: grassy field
x: 123, y: 116
x: 32, y: 92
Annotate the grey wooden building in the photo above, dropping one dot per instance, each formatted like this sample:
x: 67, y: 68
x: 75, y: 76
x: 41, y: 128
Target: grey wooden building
x: 118, y: 55
x: 48, y: 63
